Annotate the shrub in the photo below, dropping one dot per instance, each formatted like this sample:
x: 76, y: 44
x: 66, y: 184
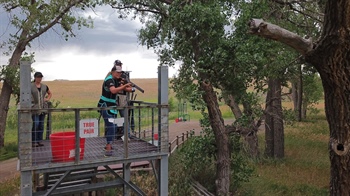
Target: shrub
x: 198, y: 158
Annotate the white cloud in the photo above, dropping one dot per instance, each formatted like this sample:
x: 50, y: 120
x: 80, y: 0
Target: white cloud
x: 74, y: 65
x: 91, y: 54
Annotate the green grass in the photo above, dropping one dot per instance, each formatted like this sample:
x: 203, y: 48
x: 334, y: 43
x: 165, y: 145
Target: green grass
x: 11, y: 137
x: 9, y: 151
x: 303, y: 171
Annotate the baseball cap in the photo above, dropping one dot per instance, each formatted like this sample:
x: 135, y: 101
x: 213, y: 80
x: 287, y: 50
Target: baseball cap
x: 38, y: 75
x: 118, y: 62
x: 117, y: 68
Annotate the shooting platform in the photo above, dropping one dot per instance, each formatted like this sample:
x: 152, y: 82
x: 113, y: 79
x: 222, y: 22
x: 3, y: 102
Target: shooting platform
x: 80, y: 172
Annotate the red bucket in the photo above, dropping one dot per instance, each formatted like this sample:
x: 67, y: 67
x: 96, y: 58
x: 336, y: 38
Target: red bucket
x: 155, y: 136
x: 63, y: 146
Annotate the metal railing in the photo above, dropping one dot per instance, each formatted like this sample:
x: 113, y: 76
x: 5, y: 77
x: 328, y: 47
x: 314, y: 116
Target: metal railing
x: 72, y: 120
x: 179, y: 141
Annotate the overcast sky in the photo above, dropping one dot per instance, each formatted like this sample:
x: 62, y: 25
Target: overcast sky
x: 90, y: 55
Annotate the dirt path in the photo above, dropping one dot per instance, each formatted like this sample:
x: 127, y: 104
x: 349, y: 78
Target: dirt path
x: 8, y: 168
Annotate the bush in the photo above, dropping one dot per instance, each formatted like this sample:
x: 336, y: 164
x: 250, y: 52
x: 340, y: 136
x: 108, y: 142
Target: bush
x: 197, y: 161
x: 9, y: 151
x: 179, y: 180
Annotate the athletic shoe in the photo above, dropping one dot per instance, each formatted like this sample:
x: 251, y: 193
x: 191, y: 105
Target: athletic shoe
x: 105, y: 148
x: 123, y: 138
x: 108, y: 153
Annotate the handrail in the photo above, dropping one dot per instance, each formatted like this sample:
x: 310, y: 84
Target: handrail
x: 179, y: 142
x: 173, y: 145
x: 147, y: 105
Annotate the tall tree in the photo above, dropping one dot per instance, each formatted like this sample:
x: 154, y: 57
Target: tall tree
x: 268, y: 63
x: 32, y: 18
x: 330, y: 56
x: 191, y: 32
x: 197, y: 45
x: 274, y: 129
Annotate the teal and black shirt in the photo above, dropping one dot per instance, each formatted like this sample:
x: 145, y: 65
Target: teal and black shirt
x: 107, y: 98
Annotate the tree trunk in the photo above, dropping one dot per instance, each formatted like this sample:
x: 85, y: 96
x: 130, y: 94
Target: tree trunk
x: 221, y: 139
x: 331, y: 58
x: 7, y: 90
x: 249, y: 133
x: 274, y: 130
x: 269, y: 134
x: 300, y: 95
x: 231, y: 102
x: 335, y: 74
x: 278, y: 120
x: 297, y: 92
x: 304, y: 109
x: 251, y: 139
x: 337, y: 106
x: 295, y: 99
x: 4, y: 107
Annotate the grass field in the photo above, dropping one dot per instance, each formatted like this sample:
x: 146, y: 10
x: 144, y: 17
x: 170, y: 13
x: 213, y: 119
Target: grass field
x: 305, y: 169
x: 87, y: 93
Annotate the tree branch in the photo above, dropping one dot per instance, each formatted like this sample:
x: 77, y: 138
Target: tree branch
x: 166, y: 1
x: 141, y: 7
x: 274, y: 32
x: 298, y: 9
x: 56, y: 20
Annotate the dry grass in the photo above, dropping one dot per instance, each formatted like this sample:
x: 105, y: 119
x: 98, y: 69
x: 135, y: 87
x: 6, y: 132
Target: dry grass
x: 87, y: 93
x: 11, y: 187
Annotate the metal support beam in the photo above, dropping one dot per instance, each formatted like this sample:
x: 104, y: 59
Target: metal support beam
x: 126, y: 128
x: 163, y: 129
x: 127, y: 178
x: 25, y: 129
x: 163, y: 176
x: 57, y: 183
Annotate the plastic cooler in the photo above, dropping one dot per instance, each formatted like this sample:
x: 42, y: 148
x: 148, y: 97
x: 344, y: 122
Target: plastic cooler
x: 63, y: 146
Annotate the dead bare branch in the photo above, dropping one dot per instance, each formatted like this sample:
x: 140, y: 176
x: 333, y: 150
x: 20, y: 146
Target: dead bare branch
x: 274, y: 32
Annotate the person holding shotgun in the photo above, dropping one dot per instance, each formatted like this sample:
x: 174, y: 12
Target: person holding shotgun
x: 110, y: 88
x: 122, y: 99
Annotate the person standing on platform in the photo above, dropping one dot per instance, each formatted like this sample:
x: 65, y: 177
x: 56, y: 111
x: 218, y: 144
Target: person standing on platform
x: 110, y: 88
x: 41, y: 95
